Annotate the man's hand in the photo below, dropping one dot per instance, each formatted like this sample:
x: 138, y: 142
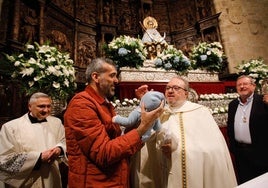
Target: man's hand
x: 141, y: 91
x: 166, y: 148
x: 45, y: 157
x: 147, y: 118
x: 55, y: 153
x: 49, y: 156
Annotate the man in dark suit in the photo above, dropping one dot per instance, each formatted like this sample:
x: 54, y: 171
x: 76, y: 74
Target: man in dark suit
x: 248, y: 130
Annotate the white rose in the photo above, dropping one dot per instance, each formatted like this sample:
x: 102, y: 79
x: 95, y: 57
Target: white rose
x: 31, y: 83
x: 32, y: 61
x: 56, y: 85
x: 17, y: 63
x: 27, y: 72
x: 66, y: 82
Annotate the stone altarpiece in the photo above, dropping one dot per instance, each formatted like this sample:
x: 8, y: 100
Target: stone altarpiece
x: 81, y: 27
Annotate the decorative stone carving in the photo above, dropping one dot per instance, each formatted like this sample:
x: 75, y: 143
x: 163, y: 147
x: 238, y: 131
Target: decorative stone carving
x: 125, y: 22
x: 203, y: 8
x: 254, y: 26
x: 66, y: 5
x: 209, y: 28
x: 202, y: 76
x: 83, y: 14
x: 30, y: 23
x: 58, y: 106
x: 145, y: 74
x: 150, y: 74
x: 86, y: 52
x: 234, y: 14
x: 60, y: 40
x: 106, y: 12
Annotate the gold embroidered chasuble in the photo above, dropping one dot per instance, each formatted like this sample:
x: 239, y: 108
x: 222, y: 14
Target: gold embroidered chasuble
x: 200, y: 157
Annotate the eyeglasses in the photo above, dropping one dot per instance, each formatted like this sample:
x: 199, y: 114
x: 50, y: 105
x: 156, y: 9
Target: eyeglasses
x: 244, y: 84
x: 174, y: 88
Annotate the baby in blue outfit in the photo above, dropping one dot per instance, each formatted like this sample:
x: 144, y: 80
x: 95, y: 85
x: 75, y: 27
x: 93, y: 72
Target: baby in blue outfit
x: 151, y: 100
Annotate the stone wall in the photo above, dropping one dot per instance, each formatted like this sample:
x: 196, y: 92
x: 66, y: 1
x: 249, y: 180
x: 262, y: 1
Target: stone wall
x: 244, y: 29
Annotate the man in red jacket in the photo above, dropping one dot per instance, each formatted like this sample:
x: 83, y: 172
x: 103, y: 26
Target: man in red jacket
x: 98, y: 153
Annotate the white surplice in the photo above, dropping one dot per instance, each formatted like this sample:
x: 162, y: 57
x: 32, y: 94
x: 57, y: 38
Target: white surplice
x: 21, y: 144
x: 207, y: 162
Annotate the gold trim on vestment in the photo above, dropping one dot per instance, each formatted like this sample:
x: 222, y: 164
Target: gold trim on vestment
x: 183, y: 152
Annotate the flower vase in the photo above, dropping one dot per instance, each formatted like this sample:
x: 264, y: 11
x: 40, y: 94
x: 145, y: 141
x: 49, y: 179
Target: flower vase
x: 58, y: 106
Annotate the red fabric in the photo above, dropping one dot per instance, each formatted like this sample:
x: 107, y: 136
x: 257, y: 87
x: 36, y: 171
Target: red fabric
x: 127, y: 89
x: 208, y: 87
x: 98, y: 155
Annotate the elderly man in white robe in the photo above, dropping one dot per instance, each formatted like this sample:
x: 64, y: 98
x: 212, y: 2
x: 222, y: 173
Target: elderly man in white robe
x: 189, y: 152
x: 32, y: 146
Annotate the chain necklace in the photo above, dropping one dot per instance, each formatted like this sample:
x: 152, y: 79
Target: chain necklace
x: 244, y: 110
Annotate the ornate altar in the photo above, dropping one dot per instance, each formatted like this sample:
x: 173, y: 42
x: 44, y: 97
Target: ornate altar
x: 200, y: 81
x: 82, y: 27
x: 150, y: 74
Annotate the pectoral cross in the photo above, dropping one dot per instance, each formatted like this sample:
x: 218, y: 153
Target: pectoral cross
x: 244, y: 119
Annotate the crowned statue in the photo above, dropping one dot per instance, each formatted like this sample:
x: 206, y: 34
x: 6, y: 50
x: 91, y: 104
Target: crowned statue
x: 153, y: 41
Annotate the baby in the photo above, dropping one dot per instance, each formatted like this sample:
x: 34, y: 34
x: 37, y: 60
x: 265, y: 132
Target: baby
x: 151, y: 100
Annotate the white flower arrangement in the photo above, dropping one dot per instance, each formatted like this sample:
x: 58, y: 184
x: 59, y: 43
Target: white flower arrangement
x: 126, y: 102
x: 125, y: 106
x: 126, y: 51
x: 220, y: 115
x: 219, y: 110
x: 172, y: 59
x: 44, y: 68
x: 254, y: 68
x: 220, y: 96
x: 217, y: 103
x: 208, y: 56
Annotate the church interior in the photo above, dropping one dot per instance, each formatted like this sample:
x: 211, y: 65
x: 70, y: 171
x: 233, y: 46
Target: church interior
x: 82, y: 28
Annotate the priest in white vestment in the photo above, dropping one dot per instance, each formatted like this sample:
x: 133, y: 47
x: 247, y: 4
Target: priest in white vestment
x: 32, y: 146
x: 189, y: 152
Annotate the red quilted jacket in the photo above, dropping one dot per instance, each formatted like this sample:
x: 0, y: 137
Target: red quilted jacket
x: 98, y: 155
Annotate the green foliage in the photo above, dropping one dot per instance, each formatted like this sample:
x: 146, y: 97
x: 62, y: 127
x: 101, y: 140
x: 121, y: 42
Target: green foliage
x: 126, y: 51
x: 208, y: 56
x: 256, y: 68
x: 43, y: 68
x: 173, y: 59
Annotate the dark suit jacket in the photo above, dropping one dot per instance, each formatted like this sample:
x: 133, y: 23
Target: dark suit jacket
x: 258, y: 124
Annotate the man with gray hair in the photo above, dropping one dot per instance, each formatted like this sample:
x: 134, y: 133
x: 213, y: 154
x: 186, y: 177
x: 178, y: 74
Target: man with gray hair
x: 32, y: 146
x: 98, y: 153
x: 247, y: 130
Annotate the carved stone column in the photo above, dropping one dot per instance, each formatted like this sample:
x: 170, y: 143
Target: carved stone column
x: 76, y: 39
x: 41, y: 20
x: 16, y: 20
x: 100, y: 5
